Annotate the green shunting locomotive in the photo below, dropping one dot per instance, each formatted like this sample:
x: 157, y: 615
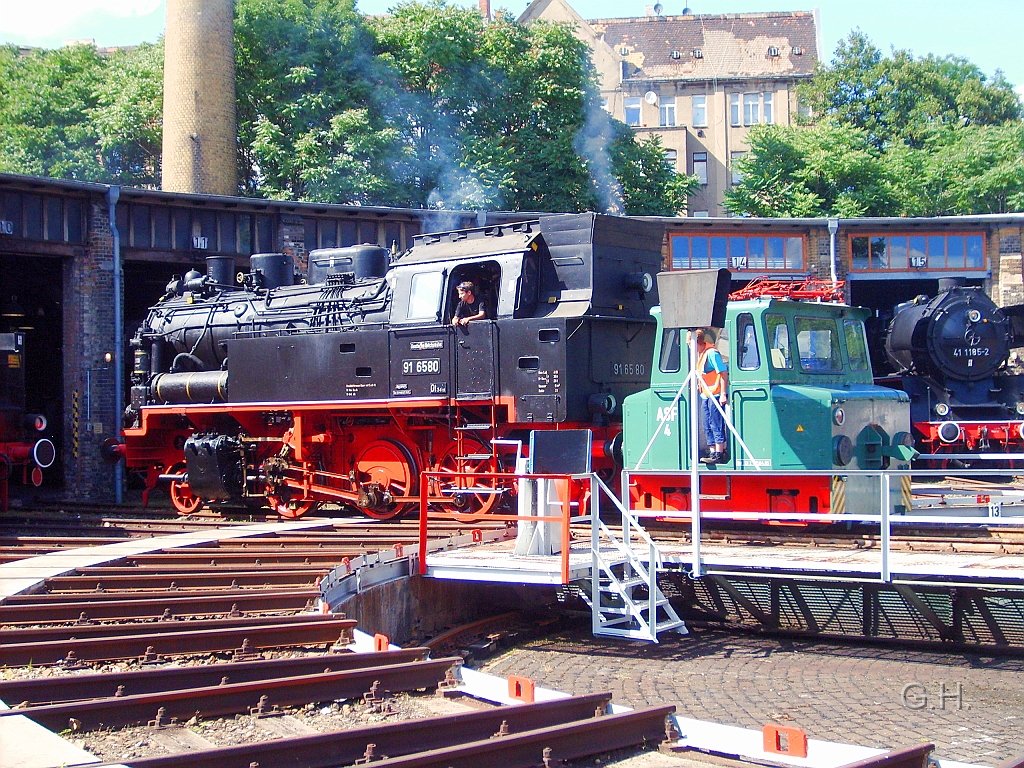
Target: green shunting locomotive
x: 800, y: 396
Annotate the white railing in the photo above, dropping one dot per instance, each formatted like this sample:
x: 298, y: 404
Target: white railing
x: 990, y: 513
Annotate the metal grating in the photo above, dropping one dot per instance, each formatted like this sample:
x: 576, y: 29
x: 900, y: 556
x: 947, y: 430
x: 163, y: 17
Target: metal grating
x: 971, y: 616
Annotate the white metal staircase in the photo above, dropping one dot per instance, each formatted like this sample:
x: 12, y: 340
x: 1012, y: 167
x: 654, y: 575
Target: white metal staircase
x: 619, y: 575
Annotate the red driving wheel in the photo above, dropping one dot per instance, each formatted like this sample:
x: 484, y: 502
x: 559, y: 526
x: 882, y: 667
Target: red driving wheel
x: 184, y: 501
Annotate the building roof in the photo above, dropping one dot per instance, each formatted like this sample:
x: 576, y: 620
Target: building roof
x: 710, y: 47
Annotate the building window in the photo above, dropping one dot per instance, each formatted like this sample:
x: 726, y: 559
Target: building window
x: 667, y: 111
x: 700, y: 214
x: 328, y: 233
x: 737, y: 177
x: 632, y: 110
x: 182, y: 229
x: 700, y: 166
x: 700, y: 110
x: 227, y: 231
x: 734, y: 109
x: 751, y: 108
x: 766, y: 99
x: 162, y: 228
x: 142, y: 233
x: 902, y: 253
x: 605, y: 105
x: 54, y: 219
x: 754, y: 253
x: 672, y: 156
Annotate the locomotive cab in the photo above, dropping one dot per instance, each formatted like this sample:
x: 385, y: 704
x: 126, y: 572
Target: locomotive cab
x: 801, y: 396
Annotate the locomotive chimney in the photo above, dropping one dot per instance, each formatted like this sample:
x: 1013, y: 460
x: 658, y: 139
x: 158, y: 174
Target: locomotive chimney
x: 949, y: 283
x: 199, y: 98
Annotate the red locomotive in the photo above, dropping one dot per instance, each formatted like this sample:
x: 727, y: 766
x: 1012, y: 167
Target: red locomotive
x: 24, y: 453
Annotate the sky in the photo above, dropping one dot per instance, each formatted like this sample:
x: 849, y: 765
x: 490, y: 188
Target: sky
x: 984, y: 31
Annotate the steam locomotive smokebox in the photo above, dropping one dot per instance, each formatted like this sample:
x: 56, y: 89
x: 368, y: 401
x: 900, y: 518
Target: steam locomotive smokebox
x: 221, y: 269
x: 363, y: 261
x: 214, y: 465
x: 694, y: 298
x: 278, y: 269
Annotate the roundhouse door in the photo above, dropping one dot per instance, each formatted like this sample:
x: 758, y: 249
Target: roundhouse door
x: 474, y: 359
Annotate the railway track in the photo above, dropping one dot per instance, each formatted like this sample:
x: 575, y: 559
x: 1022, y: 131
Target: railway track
x: 227, y: 629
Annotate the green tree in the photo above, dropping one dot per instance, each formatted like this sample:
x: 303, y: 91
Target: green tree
x: 903, y: 98
x: 128, y: 116
x: 46, y: 101
x: 889, y: 136
x: 502, y: 115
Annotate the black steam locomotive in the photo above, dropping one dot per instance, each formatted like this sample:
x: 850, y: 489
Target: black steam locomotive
x: 951, y: 353
x: 24, y: 452
x: 345, y: 383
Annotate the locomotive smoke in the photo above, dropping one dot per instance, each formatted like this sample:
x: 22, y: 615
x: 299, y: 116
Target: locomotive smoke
x: 592, y: 144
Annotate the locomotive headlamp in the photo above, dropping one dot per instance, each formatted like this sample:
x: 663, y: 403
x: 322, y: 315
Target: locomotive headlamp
x: 1019, y: 408
x: 974, y: 315
x: 949, y: 432
x: 842, y: 450
x: 941, y: 410
x: 839, y: 417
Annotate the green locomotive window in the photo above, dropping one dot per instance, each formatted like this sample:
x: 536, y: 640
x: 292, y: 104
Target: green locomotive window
x: 778, y: 342
x: 856, y: 344
x: 670, y: 351
x: 749, y: 356
x: 817, y: 339
x: 425, y: 295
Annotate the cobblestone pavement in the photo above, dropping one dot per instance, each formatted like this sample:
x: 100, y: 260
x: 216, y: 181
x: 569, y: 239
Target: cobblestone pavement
x: 970, y: 707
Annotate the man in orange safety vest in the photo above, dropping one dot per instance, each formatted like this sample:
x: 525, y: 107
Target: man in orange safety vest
x: 713, y: 382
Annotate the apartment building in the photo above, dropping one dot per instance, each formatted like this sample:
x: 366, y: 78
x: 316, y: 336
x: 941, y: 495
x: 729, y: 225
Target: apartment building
x: 700, y: 82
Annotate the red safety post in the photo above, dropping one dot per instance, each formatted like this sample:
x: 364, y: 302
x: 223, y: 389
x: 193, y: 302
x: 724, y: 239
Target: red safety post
x: 784, y: 740
x: 520, y: 689
x: 478, y: 535
x: 381, y: 642
x: 424, y: 482
x: 399, y: 550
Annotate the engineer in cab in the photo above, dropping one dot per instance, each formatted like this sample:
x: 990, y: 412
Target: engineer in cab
x: 470, y: 306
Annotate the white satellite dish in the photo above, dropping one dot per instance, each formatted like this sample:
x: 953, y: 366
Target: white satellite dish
x: 651, y: 97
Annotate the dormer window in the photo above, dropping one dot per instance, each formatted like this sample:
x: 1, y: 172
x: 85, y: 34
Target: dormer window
x: 698, y: 53
x: 676, y: 55
x: 798, y: 51
x: 773, y: 51
x: 623, y: 51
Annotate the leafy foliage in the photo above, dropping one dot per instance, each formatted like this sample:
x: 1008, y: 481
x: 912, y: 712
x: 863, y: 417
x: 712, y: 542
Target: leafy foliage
x: 46, y: 100
x: 890, y: 136
x: 426, y: 107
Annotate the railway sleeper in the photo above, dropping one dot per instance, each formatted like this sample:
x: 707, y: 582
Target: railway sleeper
x: 395, y: 739
x: 241, y: 698
x: 67, y: 688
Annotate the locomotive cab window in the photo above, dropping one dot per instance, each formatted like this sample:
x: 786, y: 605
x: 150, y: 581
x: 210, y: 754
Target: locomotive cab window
x: 817, y: 339
x: 749, y: 356
x: 425, y: 296
x: 778, y: 342
x: 486, y: 280
x: 670, y: 353
x: 856, y: 345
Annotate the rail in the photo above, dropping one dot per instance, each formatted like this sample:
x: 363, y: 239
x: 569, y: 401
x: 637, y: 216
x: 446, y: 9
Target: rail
x: 990, y: 513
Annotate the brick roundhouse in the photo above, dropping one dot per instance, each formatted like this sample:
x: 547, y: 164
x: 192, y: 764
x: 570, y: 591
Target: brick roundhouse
x: 57, y: 257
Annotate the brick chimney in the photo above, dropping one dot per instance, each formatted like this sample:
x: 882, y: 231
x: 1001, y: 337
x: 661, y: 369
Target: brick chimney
x: 485, y: 9
x: 200, y: 137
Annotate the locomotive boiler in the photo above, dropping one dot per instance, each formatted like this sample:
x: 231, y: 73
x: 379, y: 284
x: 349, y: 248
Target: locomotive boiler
x: 951, y: 353
x: 24, y: 451
x: 345, y: 383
